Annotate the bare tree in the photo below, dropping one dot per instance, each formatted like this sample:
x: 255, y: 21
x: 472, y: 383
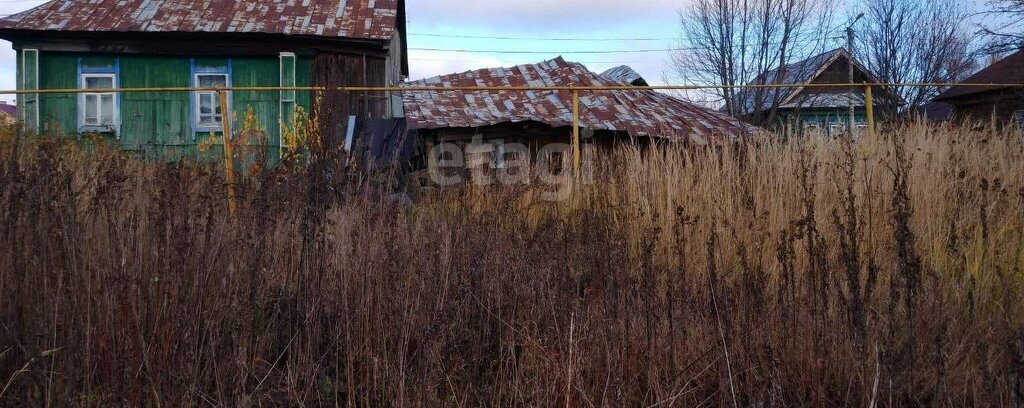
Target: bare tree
x: 911, y: 41
x: 738, y: 42
x: 1006, y: 31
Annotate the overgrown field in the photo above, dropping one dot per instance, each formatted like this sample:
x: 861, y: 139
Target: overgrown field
x: 812, y: 272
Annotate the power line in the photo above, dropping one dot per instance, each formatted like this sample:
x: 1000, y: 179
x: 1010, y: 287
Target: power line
x: 542, y: 52
x: 513, y: 61
x: 486, y: 37
x: 632, y: 51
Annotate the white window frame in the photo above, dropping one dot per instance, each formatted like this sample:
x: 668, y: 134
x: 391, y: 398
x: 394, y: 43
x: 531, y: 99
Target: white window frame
x: 197, y: 107
x: 33, y: 122
x: 287, y: 98
x: 836, y: 129
x: 82, y: 97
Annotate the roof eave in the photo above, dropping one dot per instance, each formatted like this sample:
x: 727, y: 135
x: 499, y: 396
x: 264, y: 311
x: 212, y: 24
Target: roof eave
x: 90, y: 37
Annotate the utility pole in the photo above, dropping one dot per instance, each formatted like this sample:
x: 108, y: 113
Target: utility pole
x: 853, y: 95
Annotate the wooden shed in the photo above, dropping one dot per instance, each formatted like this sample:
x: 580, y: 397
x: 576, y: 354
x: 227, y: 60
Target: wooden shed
x: 539, y: 118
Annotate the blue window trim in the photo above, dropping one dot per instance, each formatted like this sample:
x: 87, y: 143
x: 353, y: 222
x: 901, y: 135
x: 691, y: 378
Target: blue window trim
x: 111, y: 70
x: 194, y: 99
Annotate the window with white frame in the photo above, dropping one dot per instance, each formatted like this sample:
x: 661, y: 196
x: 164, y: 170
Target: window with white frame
x: 98, y: 110
x: 29, y: 103
x: 207, y: 103
x: 836, y: 129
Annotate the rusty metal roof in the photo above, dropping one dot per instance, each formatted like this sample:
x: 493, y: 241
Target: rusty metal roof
x: 363, y: 19
x: 636, y: 112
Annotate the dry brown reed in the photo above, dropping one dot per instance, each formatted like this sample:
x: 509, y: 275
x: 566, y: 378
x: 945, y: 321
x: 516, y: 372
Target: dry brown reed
x: 886, y: 271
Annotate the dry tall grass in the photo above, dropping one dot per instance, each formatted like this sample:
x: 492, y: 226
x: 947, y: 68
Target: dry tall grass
x: 886, y: 272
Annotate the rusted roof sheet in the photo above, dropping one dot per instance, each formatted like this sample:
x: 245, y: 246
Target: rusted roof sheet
x: 638, y: 113
x: 626, y: 75
x: 363, y: 19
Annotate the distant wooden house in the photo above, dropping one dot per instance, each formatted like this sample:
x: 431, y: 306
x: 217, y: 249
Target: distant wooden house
x: 999, y: 103
x: 803, y: 108
x: 103, y: 44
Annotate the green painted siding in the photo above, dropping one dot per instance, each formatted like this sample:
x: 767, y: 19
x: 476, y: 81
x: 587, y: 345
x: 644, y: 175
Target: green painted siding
x: 159, y: 125
x: 58, y: 72
x: 153, y: 120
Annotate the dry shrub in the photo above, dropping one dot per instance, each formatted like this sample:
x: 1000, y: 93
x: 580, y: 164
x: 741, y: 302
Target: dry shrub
x: 825, y: 272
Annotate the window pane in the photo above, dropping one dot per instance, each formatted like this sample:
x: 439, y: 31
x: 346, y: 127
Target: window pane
x: 99, y: 82
x: 91, y: 110
x: 287, y: 77
x: 206, y: 104
x: 210, y: 120
x: 30, y: 65
x: 209, y: 81
x: 107, y: 109
x: 209, y: 109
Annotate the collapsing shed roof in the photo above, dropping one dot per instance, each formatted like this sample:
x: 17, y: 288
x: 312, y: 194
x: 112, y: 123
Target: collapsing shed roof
x: 362, y: 19
x: 636, y: 112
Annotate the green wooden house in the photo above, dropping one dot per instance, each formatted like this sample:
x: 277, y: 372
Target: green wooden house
x: 815, y: 109
x: 107, y: 44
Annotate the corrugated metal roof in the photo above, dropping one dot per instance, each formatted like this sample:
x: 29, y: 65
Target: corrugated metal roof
x: 752, y: 100
x: 825, y: 100
x: 638, y: 113
x: 626, y: 75
x: 363, y: 19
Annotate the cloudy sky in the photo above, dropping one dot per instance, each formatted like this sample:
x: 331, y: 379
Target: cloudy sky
x: 454, y: 24
x: 599, y: 33
x: 553, y: 28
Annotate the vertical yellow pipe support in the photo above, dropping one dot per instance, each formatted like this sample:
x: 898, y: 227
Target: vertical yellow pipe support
x: 869, y: 107
x: 229, y: 155
x: 576, y: 132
